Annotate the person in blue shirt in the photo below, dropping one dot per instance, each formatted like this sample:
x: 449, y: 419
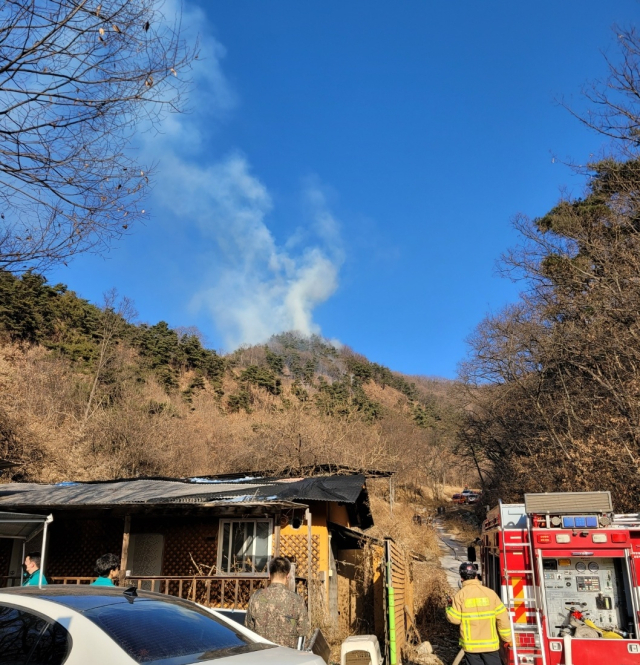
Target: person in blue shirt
x: 108, y: 569
x: 32, y: 567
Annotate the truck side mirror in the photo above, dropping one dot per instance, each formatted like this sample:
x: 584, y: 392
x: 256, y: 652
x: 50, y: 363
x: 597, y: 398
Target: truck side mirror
x: 471, y: 554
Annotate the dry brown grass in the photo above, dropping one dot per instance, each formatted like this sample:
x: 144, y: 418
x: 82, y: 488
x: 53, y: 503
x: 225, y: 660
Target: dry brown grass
x: 431, y: 589
x: 463, y: 523
x: 399, y: 525
x: 134, y: 427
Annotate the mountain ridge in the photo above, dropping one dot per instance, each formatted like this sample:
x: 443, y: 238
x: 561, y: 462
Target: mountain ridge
x: 90, y: 395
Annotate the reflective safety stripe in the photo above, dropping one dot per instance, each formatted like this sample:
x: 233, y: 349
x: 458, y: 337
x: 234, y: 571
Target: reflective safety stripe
x: 469, y: 644
x: 483, y: 601
x: 479, y: 615
x: 479, y: 645
x: 454, y: 613
x: 480, y: 642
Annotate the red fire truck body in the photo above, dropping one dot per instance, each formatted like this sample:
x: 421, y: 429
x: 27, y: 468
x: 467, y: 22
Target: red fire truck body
x: 567, y: 569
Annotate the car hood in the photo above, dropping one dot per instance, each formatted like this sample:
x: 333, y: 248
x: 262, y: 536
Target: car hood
x: 278, y: 656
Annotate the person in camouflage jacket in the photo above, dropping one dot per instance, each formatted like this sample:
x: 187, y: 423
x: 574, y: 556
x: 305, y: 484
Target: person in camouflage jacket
x: 276, y: 613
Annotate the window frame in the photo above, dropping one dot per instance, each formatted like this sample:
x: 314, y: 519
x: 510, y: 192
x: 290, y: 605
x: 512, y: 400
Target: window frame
x: 230, y: 521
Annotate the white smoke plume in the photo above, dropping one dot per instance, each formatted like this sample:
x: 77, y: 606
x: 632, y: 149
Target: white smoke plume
x: 255, y: 287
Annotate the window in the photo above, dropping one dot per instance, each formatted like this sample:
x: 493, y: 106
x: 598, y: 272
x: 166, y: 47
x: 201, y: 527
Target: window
x: 28, y: 639
x: 171, y: 633
x: 244, y: 547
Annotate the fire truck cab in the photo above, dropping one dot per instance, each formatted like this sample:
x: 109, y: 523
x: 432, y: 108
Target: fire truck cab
x: 567, y: 569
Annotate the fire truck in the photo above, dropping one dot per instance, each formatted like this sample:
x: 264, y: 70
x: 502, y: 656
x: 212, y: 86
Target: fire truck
x: 568, y: 569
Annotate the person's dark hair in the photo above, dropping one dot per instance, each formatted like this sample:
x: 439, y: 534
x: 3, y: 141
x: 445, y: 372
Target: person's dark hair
x: 279, y: 566
x: 468, y: 571
x: 36, y: 557
x: 106, y: 563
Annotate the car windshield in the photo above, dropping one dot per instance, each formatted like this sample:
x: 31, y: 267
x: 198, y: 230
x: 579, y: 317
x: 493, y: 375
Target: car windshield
x: 163, y: 633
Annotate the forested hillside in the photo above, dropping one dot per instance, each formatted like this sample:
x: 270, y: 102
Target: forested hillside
x: 555, y: 379
x: 87, y: 393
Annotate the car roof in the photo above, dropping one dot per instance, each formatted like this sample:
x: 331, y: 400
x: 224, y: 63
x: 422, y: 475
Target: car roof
x: 84, y: 596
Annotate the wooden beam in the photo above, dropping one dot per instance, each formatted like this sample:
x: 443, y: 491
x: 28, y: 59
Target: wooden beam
x: 310, y: 563
x: 276, y: 534
x: 125, y: 548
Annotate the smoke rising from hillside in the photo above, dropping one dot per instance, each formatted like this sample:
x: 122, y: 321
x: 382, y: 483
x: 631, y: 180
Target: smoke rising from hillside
x: 256, y: 288
x: 252, y: 287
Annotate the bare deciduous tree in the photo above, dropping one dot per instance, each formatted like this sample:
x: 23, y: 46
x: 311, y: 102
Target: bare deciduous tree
x: 613, y: 103
x: 76, y: 78
x: 554, y: 380
x: 114, y: 317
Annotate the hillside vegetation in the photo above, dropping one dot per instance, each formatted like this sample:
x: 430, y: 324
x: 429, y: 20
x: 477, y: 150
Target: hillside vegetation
x: 85, y: 393
x: 554, y: 379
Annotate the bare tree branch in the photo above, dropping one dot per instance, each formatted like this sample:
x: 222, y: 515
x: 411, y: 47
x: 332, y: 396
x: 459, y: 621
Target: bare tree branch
x: 614, y: 102
x: 76, y: 79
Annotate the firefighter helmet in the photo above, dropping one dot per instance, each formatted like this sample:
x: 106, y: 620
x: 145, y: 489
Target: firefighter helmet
x: 468, y: 571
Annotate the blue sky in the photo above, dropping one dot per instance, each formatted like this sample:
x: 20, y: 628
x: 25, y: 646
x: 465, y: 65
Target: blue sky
x: 351, y: 168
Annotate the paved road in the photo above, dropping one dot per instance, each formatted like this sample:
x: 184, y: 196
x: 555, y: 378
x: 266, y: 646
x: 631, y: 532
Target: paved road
x: 453, y: 554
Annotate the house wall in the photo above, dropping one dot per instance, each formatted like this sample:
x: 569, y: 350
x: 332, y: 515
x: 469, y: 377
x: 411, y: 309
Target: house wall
x: 76, y: 544
x: 6, y: 545
x: 294, y: 542
x: 348, y: 567
x: 337, y: 513
x: 360, y: 591
x: 177, y: 545
x: 186, y: 540
x: 189, y: 544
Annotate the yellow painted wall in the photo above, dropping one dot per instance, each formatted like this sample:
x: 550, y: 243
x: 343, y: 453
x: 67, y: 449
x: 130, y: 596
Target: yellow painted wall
x: 318, y: 528
x: 338, y: 514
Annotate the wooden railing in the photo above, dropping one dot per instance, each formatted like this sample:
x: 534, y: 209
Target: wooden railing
x: 71, y: 580
x: 10, y: 580
x: 7, y: 580
x: 212, y: 591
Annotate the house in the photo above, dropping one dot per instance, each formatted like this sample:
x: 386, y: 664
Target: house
x: 210, y: 539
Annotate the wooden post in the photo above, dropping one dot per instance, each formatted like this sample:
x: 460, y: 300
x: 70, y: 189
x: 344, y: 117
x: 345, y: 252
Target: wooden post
x: 292, y: 578
x: 276, y: 535
x: 309, y: 561
x: 125, y: 548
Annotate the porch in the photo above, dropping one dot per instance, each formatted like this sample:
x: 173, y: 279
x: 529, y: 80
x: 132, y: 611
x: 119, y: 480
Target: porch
x: 216, y: 591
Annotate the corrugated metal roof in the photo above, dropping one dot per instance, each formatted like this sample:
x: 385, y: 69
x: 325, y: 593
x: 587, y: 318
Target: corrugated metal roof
x: 21, y: 525
x: 345, y: 489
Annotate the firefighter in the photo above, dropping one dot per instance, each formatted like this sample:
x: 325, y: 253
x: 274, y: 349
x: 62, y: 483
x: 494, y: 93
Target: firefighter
x: 482, y: 619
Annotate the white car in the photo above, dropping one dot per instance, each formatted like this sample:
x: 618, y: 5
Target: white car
x: 93, y: 625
